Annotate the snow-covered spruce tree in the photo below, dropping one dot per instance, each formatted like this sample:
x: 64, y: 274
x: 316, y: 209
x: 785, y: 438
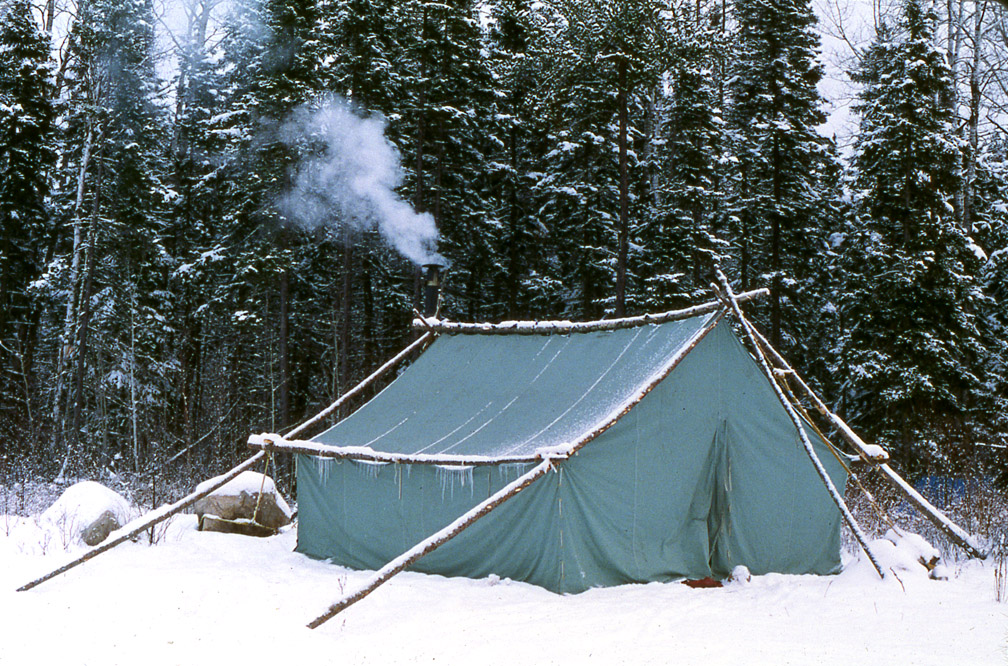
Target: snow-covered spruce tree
x: 577, y: 194
x: 606, y: 60
x: 679, y: 244
x: 192, y: 229
x: 274, y: 62
x: 988, y: 218
x: 528, y: 286
x: 364, y: 64
x: 912, y: 347
x: 780, y: 159
x: 116, y: 324
x: 447, y: 107
x: 26, y: 157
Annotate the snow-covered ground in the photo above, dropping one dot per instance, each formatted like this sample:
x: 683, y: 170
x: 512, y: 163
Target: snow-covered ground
x: 206, y: 598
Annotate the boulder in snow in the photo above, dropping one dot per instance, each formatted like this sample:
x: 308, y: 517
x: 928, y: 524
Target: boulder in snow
x: 88, y: 512
x: 237, y: 499
x: 740, y: 575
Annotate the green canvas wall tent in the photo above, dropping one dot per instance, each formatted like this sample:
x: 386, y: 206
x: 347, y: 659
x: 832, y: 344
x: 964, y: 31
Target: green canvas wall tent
x: 704, y: 473
x: 574, y: 455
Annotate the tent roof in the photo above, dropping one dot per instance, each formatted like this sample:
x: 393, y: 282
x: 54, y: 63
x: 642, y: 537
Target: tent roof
x: 512, y: 395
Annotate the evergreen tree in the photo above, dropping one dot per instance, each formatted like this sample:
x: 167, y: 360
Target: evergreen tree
x: 516, y: 42
x: 26, y: 157
x: 775, y: 109
x: 606, y: 62
x: 680, y: 244
x: 912, y: 345
x: 116, y: 325
x: 448, y: 113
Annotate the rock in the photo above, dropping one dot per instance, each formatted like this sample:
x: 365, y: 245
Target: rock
x: 100, y: 528
x: 211, y: 523
x: 237, y: 499
x: 740, y: 575
x: 88, y: 512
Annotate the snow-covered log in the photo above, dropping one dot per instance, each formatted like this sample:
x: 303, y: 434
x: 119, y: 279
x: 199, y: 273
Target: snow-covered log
x: 564, y: 327
x: 276, y: 443
x: 434, y: 541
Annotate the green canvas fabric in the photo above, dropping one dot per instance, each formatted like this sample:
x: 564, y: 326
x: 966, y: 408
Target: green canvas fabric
x: 705, y: 473
x: 511, y: 395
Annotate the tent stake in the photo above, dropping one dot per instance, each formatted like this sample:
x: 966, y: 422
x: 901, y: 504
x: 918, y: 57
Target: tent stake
x: 166, y: 511
x: 954, y: 532
x: 434, y: 541
x: 726, y: 291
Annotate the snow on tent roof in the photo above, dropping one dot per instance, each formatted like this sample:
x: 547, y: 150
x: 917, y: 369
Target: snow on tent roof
x: 510, y: 395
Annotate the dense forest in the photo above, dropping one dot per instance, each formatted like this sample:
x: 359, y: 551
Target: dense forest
x: 218, y: 233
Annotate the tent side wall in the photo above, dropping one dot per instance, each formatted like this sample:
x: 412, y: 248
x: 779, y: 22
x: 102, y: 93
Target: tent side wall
x: 362, y: 515
x: 778, y: 517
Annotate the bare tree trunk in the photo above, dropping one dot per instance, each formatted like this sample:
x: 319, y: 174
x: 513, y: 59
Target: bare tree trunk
x: 284, y: 349
x: 955, y: 18
x: 133, y: 400
x: 974, y: 120
x: 346, y: 303
x: 418, y: 194
x: 622, y: 230
x: 744, y: 231
x: 84, y: 320
x: 775, y: 246
x: 368, y: 334
x: 68, y: 320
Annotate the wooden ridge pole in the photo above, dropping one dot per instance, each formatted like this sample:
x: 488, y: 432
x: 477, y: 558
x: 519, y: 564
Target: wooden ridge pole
x: 566, y: 327
x: 729, y: 297
x: 166, y: 511
x: 434, y: 541
x: 954, y: 532
x: 145, y: 522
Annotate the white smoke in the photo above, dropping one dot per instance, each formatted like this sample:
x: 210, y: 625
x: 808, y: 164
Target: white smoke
x: 348, y: 177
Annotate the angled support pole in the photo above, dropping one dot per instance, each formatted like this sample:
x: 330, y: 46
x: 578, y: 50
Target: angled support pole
x: 424, y: 339
x: 726, y: 293
x: 871, y: 454
x: 434, y: 541
x: 166, y: 511
x: 145, y: 522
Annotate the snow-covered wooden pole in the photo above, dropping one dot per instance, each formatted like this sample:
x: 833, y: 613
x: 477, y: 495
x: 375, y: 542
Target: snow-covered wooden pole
x: 729, y: 297
x: 567, y: 327
x: 145, y: 522
x: 277, y: 444
x: 434, y: 541
x: 166, y: 511
x: 875, y: 455
x: 385, y: 367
